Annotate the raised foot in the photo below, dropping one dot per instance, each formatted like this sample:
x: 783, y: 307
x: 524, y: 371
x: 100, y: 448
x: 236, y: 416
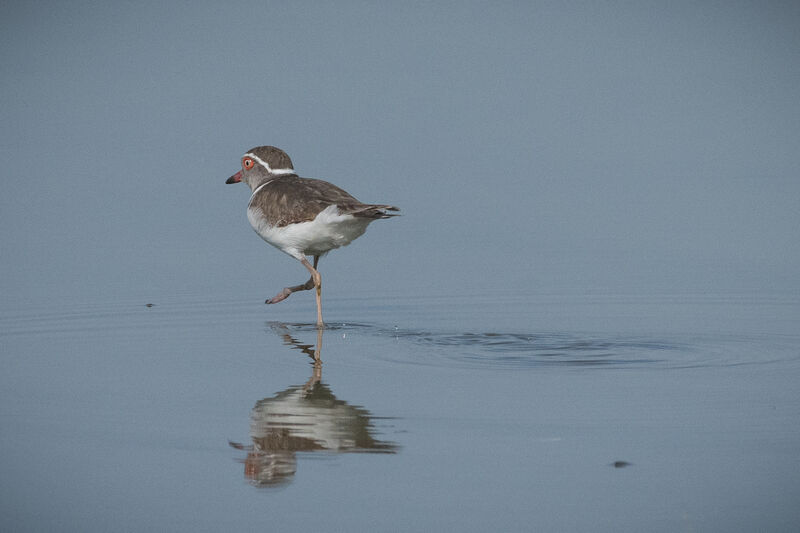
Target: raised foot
x: 281, y: 296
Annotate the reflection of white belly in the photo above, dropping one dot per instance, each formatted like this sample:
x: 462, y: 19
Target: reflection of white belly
x: 330, y: 229
x: 332, y: 427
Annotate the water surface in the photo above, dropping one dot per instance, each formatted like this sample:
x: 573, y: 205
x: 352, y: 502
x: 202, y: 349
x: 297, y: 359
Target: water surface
x: 503, y: 412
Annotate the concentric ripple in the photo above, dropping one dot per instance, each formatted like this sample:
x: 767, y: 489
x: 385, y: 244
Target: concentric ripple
x: 532, y: 350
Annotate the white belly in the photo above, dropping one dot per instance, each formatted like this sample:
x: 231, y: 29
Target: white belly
x: 327, y: 231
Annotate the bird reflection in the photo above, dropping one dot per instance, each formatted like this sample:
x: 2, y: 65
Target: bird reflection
x: 304, y: 418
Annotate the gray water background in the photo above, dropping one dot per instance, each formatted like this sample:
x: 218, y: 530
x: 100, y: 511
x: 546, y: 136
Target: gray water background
x: 598, y: 262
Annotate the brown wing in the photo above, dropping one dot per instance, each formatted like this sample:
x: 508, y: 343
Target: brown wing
x: 290, y: 199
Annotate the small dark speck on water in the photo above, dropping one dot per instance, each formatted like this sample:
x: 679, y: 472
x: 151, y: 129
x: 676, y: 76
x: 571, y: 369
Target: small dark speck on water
x: 620, y: 464
x: 148, y: 305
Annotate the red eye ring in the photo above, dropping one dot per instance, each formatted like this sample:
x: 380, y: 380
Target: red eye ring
x: 247, y: 163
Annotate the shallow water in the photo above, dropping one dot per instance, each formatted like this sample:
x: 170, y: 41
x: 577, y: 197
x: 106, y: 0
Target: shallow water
x: 499, y: 412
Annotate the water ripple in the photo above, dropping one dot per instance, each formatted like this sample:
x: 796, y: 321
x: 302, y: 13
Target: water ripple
x: 471, y: 349
x: 532, y: 350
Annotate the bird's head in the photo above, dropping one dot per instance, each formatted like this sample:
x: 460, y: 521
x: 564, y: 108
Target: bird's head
x: 262, y: 163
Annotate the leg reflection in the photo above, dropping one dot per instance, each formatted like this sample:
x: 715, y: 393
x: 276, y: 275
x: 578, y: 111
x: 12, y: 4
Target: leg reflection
x: 304, y: 418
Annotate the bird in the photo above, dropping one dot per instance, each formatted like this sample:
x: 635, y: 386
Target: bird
x: 301, y: 216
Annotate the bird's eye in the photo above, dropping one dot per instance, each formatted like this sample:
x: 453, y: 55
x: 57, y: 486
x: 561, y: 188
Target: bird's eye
x: 247, y: 163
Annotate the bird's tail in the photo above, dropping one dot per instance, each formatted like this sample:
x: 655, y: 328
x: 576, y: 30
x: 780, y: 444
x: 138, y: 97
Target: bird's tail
x: 375, y: 211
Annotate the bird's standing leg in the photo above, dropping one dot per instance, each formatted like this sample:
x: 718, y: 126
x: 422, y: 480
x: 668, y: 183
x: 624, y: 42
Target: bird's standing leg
x: 317, y: 279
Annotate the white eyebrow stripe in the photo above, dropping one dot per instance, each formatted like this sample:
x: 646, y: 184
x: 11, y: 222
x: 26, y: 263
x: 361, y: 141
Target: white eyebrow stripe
x: 264, y: 164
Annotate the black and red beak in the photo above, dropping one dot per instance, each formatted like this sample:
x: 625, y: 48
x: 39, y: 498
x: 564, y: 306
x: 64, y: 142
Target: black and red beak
x: 236, y: 178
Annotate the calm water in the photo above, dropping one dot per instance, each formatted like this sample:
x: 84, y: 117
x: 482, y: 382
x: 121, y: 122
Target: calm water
x: 549, y: 412
x: 561, y: 147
